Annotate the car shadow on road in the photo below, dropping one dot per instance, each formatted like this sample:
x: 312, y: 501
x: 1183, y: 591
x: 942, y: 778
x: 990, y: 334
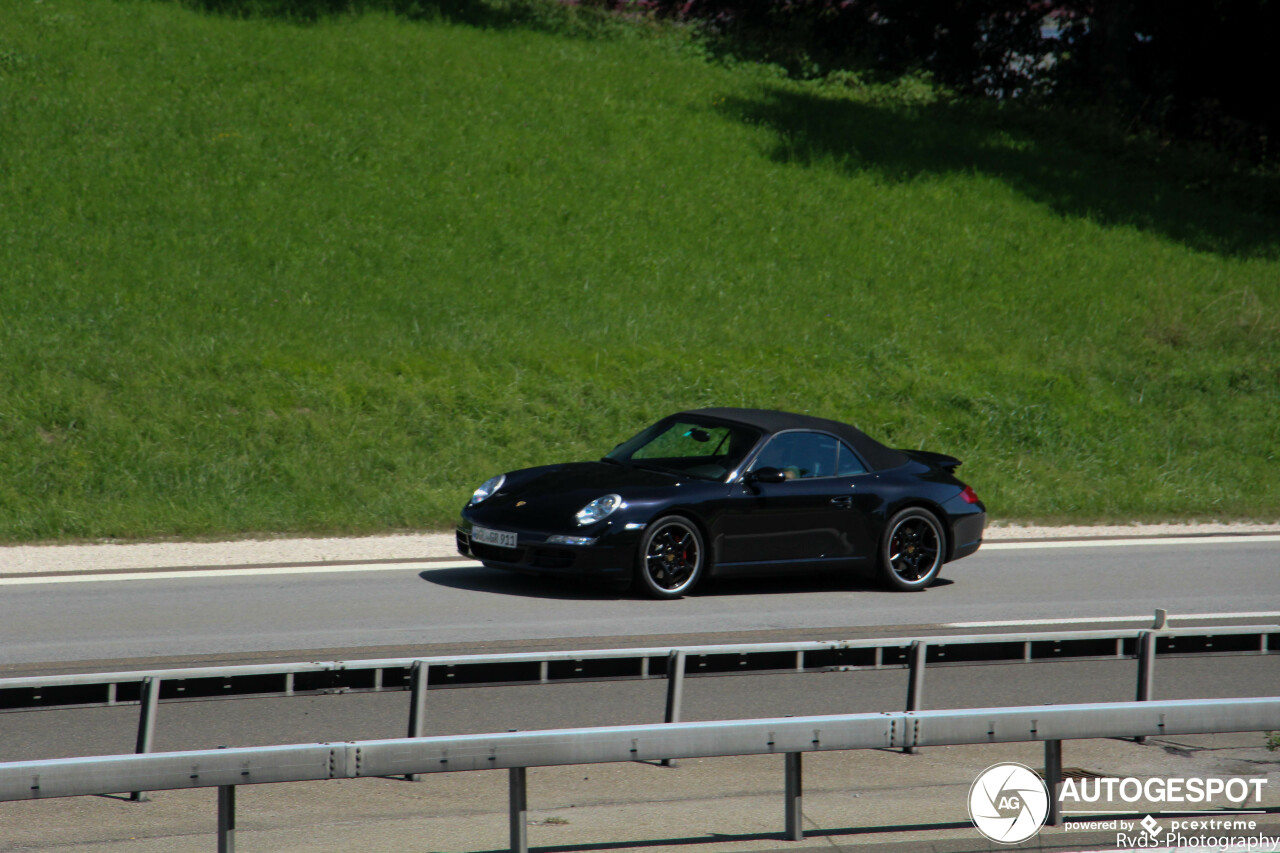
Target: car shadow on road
x: 525, y: 586
x: 807, y: 583
x: 500, y: 582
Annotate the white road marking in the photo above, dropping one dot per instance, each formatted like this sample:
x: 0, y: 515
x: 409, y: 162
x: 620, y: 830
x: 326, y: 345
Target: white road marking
x: 1124, y: 543
x: 236, y: 572
x: 1077, y: 620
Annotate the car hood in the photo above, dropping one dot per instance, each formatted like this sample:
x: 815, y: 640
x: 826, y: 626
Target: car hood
x: 564, y: 489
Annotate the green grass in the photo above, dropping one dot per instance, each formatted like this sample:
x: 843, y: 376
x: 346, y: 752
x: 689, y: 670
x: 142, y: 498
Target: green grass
x: 261, y: 277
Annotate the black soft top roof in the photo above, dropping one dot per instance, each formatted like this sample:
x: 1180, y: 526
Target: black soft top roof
x: 875, y: 454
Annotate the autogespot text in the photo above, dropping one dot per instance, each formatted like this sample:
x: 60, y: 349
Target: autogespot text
x: 1191, y: 790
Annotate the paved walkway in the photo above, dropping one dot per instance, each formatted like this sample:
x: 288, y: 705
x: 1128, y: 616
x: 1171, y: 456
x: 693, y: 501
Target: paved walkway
x: 23, y: 559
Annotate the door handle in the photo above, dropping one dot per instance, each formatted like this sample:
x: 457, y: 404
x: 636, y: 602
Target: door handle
x: 844, y: 501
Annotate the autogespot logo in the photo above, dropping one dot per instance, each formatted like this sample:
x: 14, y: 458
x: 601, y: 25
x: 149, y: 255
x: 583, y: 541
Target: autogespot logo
x: 1008, y: 803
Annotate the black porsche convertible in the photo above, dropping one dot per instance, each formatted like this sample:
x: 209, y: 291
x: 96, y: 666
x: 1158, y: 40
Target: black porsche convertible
x: 727, y: 492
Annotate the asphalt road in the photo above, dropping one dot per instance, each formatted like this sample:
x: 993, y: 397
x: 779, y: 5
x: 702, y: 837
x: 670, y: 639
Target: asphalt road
x: 176, y: 615
x: 62, y: 622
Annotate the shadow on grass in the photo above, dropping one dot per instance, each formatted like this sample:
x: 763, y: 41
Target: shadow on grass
x: 1074, y: 167
x: 1076, y: 171
x: 487, y: 14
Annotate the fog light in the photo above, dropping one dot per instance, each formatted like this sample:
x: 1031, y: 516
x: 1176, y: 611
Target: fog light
x: 570, y: 540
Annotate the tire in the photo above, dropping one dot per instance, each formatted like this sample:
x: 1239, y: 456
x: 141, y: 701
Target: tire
x: 911, y: 549
x: 672, y: 558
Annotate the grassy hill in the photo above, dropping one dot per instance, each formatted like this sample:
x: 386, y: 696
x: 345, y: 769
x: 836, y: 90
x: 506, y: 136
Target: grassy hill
x: 265, y: 277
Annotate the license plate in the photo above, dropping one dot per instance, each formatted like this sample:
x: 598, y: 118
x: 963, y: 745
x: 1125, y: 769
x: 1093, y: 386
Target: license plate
x: 500, y: 538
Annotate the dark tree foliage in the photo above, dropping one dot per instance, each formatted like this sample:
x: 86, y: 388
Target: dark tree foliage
x: 1202, y: 70
x: 979, y: 45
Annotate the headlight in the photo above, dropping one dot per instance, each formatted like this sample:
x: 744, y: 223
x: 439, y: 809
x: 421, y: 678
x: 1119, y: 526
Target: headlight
x: 598, y: 509
x: 487, y: 488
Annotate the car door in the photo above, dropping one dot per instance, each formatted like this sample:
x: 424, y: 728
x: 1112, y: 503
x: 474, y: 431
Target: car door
x: 814, y: 514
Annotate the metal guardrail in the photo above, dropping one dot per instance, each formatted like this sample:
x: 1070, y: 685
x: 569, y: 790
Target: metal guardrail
x: 397, y: 674
x: 517, y: 751
x: 149, y: 688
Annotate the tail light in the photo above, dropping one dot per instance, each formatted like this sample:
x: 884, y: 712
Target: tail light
x: 969, y: 495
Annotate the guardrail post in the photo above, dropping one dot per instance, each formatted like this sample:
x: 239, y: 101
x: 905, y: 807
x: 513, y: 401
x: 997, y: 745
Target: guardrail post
x: 794, y: 796
x: 518, y: 809
x: 418, y: 706
x: 1146, y: 670
x: 226, y: 819
x: 675, y: 693
x: 1053, y: 779
x: 146, y: 725
x: 915, y: 682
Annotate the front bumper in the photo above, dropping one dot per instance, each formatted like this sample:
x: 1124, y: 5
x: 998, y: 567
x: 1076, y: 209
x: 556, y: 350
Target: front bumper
x: 612, y: 555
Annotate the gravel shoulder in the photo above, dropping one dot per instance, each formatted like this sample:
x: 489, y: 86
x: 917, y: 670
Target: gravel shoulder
x: 37, y: 559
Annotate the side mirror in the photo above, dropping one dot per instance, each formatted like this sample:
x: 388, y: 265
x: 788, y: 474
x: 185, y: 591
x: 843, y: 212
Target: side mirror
x: 767, y: 475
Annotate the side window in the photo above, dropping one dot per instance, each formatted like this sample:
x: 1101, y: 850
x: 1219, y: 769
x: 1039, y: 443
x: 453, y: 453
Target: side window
x: 800, y: 455
x: 850, y: 465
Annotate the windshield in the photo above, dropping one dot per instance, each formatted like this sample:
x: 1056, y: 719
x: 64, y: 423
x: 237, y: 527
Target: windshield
x: 703, y: 449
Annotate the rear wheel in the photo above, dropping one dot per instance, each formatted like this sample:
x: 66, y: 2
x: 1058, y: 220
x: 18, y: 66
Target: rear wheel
x: 911, y: 550
x: 672, y: 558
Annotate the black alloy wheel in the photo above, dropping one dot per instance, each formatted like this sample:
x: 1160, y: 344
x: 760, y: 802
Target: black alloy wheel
x: 912, y: 550
x: 672, y: 558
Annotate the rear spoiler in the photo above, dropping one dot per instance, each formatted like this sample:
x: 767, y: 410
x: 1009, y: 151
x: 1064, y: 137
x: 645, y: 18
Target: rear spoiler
x: 939, y: 460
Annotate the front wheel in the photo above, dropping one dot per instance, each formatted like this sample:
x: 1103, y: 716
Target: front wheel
x: 911, y: 550
x: 671, y: 559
